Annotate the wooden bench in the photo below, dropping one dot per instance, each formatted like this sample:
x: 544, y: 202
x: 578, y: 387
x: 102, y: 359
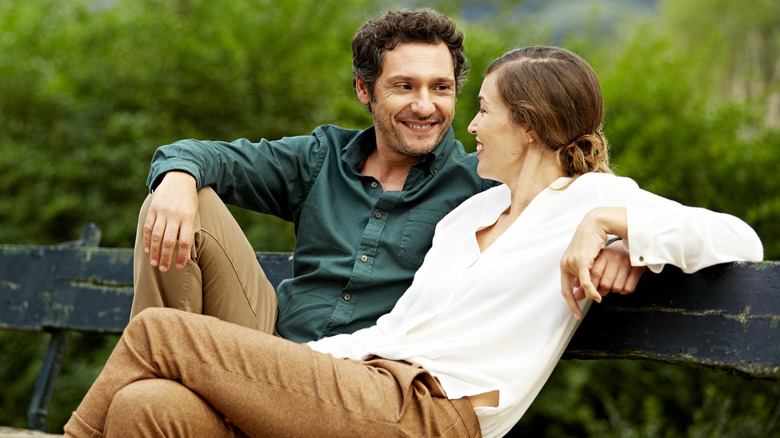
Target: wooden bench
x: 726, y: 318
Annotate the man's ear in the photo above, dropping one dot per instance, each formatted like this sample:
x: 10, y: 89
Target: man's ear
x: 362, y: 92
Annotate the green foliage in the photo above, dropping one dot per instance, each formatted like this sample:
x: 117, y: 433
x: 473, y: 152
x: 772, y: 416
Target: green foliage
x: 88, y: 93
x: 644, y: 399
x: 673, y: 128
x: 19, y: 375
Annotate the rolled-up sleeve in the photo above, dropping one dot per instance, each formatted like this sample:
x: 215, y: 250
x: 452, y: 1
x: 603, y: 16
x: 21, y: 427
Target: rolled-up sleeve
x: 688, y: 237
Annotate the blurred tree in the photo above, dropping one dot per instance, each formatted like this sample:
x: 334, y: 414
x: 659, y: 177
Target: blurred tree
x: 90, y: 89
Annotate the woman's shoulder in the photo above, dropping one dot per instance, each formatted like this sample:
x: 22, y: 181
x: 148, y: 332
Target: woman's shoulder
x: 494, y: 194
x: 603, y: 180
x: 477, y: 205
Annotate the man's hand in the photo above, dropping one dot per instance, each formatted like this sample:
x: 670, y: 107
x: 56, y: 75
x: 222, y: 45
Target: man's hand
x: 171, y: 218
x: 612, y: 272
x: 582, y: 266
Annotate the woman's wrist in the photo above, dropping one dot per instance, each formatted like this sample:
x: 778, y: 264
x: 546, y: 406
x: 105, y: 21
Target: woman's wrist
x: 612, y: 220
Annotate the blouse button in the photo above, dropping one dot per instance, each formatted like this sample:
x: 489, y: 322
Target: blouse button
x: 374, y: 185
x: 364, y: 258
x: 378, y: 215
x: 347, y: 297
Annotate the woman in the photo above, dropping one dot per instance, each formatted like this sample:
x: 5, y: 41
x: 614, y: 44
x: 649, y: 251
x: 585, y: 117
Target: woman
x: 472, y: 341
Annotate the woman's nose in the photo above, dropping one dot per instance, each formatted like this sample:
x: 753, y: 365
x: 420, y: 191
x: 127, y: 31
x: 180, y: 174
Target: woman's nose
x: 473, y: 125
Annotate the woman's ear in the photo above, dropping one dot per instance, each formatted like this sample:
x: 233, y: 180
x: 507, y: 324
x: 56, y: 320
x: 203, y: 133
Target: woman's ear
x: 533, y: 137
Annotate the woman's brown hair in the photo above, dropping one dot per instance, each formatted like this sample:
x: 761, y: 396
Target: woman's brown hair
x: 557, y: 94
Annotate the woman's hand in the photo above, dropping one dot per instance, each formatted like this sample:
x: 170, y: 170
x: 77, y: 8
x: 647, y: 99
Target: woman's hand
x: 172, y: 214
x: 580, y: 257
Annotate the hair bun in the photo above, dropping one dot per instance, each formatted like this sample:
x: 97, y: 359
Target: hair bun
x: 587, y: 153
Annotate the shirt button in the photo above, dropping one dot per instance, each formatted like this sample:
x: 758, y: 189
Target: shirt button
x: 378, y: 215
x: 641, y: 259
x: 364, y: 258
x: 374, y: 185
x: 347, y: 297
x: 435, y: 171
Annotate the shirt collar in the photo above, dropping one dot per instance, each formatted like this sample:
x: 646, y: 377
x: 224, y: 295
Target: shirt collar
x: 357, y: 150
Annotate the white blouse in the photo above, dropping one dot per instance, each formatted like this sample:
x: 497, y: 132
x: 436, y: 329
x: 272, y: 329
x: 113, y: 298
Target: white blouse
x: 496, y: 320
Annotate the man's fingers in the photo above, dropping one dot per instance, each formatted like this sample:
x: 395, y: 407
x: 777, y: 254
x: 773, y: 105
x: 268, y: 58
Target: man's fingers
x: 168, y: 246
x: 148, y: 227
x: 596, y: 274
x: 608, y: 278
x: 634, y: 275
x: 186, y: 236
x: 155, y: 242
x: 618, y: 283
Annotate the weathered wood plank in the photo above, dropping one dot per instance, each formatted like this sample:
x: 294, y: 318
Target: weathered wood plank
x: 87, y: 289
x: 726, y: 318
x: 74, y: 288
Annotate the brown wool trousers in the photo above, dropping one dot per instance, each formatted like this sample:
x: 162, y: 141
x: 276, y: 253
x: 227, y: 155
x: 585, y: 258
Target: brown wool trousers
x: 177, y: 374
x: 222, y: 278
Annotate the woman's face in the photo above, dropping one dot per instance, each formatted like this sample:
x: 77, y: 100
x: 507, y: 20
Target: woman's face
x: 501, y: 145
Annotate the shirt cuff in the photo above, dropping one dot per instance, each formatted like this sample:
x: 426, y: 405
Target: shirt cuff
x: 641, y: 236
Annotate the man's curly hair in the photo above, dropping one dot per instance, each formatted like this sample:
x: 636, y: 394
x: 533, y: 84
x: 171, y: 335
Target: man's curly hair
x: 385, y: 32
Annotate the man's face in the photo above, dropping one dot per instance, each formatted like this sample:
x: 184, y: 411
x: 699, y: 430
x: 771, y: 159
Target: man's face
x: 414, y: 98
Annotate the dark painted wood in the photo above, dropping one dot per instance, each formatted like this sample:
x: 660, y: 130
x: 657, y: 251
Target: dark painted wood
x: 88, y: 289
x: 725, y: 318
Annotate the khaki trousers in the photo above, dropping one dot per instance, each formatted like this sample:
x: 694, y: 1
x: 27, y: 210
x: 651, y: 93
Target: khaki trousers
x: 222, y: 277
x: 178, y: 374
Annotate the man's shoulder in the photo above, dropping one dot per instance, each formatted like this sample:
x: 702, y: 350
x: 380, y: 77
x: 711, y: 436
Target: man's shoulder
x: 336, y: 135
x: 451, y: 150
x: 455, y: 159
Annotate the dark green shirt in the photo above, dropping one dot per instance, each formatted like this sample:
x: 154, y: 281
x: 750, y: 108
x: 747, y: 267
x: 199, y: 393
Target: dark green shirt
x: 357, y: 248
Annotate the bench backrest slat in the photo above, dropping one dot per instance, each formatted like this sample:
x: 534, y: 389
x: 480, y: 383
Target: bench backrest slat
x: 726, y: 317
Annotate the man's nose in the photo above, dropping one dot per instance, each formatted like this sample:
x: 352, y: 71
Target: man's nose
x: 423, y: 105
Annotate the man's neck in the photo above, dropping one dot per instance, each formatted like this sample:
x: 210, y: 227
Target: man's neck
x: 390, y: 169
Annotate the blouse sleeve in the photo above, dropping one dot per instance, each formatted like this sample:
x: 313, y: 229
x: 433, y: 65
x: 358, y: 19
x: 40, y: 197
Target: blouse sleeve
x: 662, y: 231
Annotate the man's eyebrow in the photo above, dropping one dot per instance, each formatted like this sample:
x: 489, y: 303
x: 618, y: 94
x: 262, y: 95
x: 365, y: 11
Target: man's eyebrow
x: 414, y: 79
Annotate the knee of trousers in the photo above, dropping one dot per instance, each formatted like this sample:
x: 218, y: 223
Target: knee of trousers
x: 151, y: 314
x: 150, y: 319
x: 151, y: 405
x: 134, y: 405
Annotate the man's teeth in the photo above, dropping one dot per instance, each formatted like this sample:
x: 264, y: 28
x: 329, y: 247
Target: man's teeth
x: 479, y: 147
x: 418, y: 126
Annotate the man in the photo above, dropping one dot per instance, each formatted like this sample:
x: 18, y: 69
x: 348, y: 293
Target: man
x: 364, y: 203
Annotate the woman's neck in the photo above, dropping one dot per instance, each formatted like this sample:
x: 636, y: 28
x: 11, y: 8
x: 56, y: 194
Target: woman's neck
x: 539, y: 170
x: 535, y: 175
